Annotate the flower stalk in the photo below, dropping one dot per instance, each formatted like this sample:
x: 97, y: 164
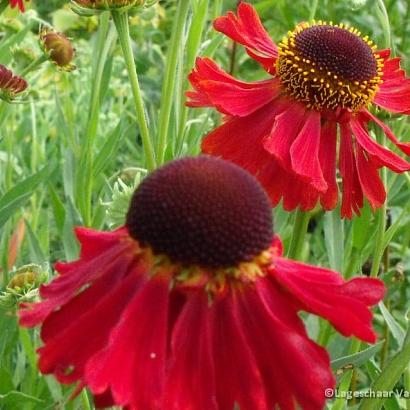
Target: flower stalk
x: 298, y: 234
x: 122, y: 26
x: 169, y: 78
x: 84, y: 178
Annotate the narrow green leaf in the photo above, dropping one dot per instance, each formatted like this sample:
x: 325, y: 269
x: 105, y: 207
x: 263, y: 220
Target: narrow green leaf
x: 390, y: 376
x: 333, y: 227
x: 356, y: 359
x: 394, y: 327
x: 36, y: 253
x: 17, y: 196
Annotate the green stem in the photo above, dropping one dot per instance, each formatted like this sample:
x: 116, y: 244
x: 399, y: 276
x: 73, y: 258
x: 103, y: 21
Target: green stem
x: 34, y: 64
x: 121, y: 24
x: 85, y: 169
x: 105, y: 41
x: 298, y: 234
x: 169, y: 78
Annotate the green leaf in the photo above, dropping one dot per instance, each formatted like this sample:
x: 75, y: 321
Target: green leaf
x: 17, y: 196
x: 394, y: 327
x: 390, y: 376
x: 356, y: 359
x: 15, y: 400
x: 334, y: 229
x: 361, y: 228
x: 36, y: 253
x: 70, y: 243
x: 108, y: 150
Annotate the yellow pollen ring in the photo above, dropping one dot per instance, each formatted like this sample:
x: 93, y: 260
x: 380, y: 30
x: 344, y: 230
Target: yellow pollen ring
x: 320, y: 89
x: 213, y: 281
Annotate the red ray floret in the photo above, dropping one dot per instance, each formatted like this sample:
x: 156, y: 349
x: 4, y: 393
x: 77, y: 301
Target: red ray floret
x: 19, y: 3
x: 124, y: 326
x: 294, y: 148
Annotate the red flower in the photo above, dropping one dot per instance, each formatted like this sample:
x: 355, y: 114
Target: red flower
x: 10, y: 84
x: 192, y: 306
x: 284, y: 130
x: 19, y: 3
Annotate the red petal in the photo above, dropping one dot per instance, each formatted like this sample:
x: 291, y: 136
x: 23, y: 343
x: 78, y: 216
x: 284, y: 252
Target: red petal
x: 104, y: 400
x: 95, y: 242
x: 216, y: 88
x: 394, y: 98
x: 80, y: 304
x: 327, y: 157
x: 280, y: 183
x: 66, y: 353
x: 247, y: 29
x: 64, y: 287
x: 190, y: 380
x: 404, y: 146
x: 286, y: 128
x: 385, y: 156
x: 238, y: 381
x: 336, y: 300
x: 275, y: 334
x: 139, y: 345
x: 369, y: 290
x: 352, y: 198
x: 305, y: 152
x: 240, y: 140
x: 370, y: 181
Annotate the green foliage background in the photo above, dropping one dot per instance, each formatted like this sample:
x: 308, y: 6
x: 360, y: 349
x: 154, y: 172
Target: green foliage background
x: 43, y: 142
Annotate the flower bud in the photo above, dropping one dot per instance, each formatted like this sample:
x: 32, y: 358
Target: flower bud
x: 59, y: 49
x: 10, y: 84
x: 90, y: 7
x: 23, y: 286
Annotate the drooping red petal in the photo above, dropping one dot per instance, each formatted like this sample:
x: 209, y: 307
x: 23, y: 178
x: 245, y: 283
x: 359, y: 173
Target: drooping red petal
x: 385, y: 156
x: 335, y: 300
x: 66, y: 353
x: 305, y: 152
x: 286, y: 128
x: 394, y: 92
x: 247, y: 29
x: 133, y: 363
x: 403, y: 146
x: 370, y: 181
x: 190, y: 379
x: 76, y: 275
x: 275, y: 334
x: 237, y: 381
x: 95, y: 242
x: 216, y: 88
x: 352, y: 195
x: 394, y: 98
x: 19, y: 3
x: 240, y: 140
x: 293, y: 189
x: 81, y: 304
x: 327, y: 158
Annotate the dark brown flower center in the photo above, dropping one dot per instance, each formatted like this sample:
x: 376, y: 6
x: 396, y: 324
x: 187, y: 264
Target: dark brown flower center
x: 202, y: 211
x: 328, y: 67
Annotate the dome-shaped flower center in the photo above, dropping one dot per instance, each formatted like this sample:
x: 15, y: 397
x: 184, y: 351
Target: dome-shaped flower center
x: 329, y: 67
x: 202, y: 211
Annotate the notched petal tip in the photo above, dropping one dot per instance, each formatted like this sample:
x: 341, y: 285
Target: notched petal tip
x: 325, y: 293
x: 246, y: 28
